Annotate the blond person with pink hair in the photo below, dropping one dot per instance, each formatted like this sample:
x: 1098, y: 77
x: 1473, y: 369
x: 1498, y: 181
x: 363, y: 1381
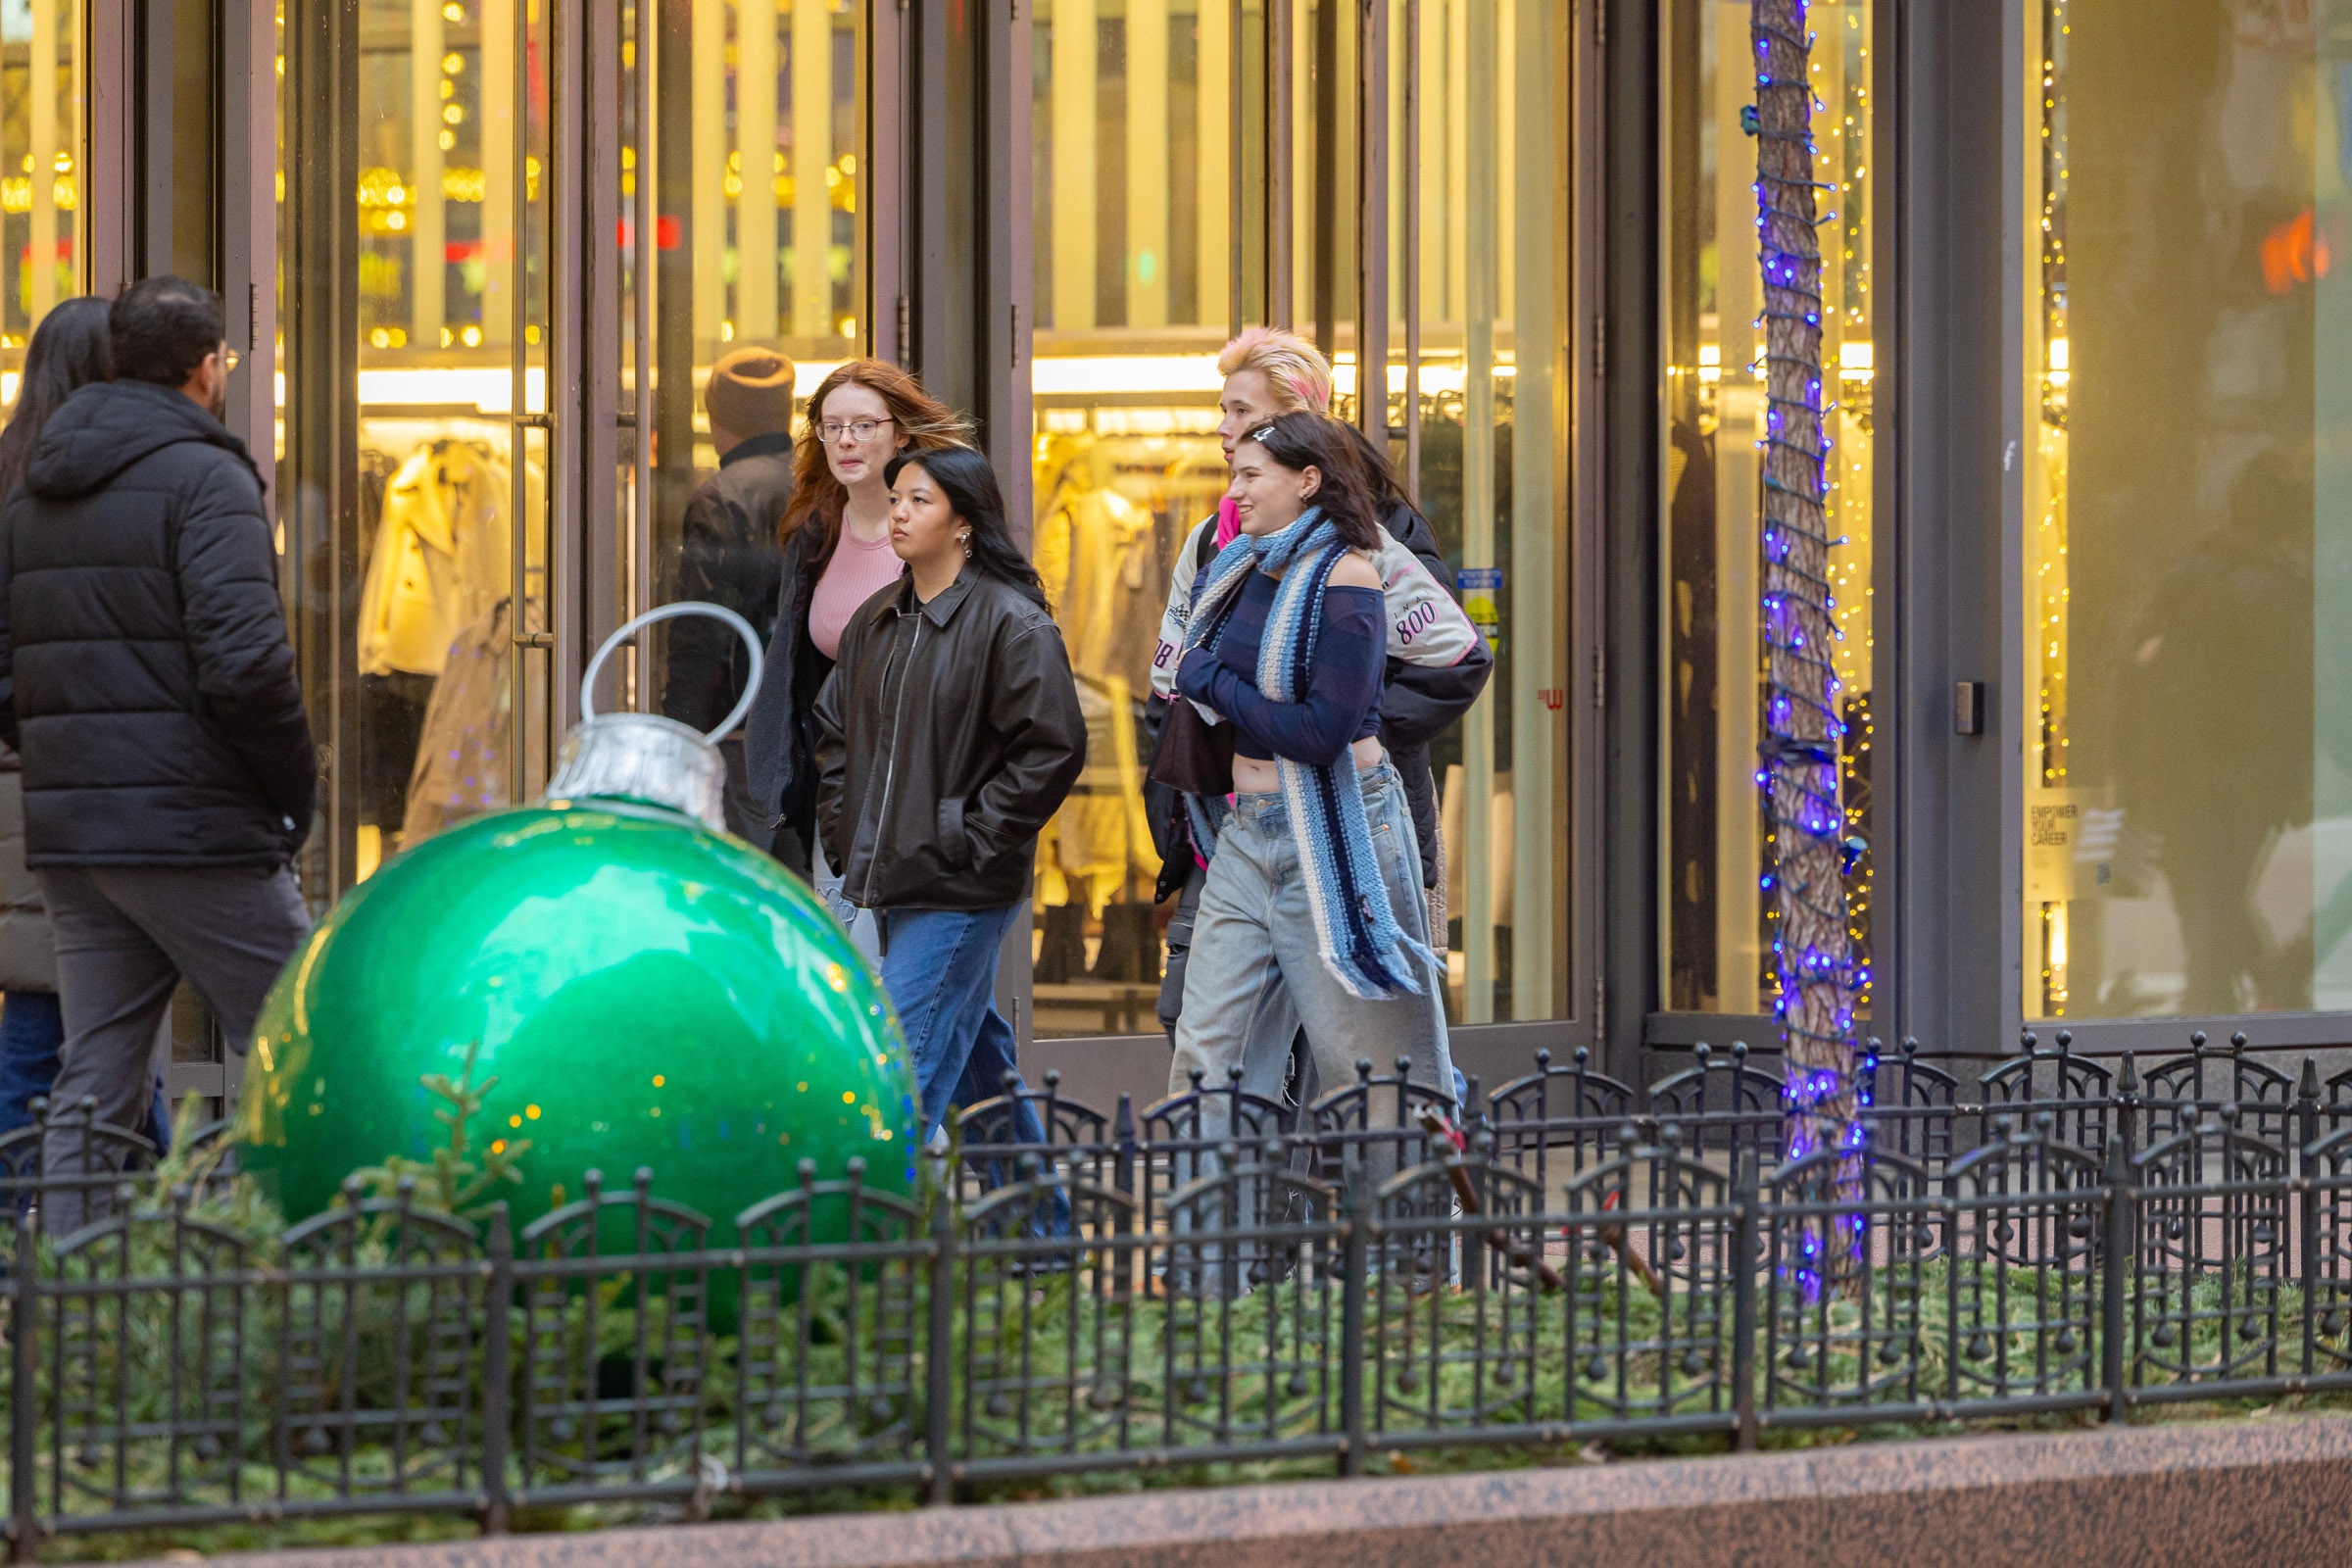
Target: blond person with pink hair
x: 1437, y: 663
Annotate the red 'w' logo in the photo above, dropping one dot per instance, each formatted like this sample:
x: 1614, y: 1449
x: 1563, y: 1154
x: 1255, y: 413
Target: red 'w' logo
x: 1554, y: 697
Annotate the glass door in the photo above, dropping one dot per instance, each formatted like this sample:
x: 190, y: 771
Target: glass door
x: 1385, y: 181
x: 743, y: 256
x: 415, y: 157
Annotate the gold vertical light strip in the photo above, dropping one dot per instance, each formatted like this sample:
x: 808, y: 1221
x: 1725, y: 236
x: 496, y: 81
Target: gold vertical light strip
x: 1148, y: 180
x: 78, y: 108
x: 499, y: 114
x: 756, y: 142
x: 1538, y: 611
x: 1214, y: 133
x: 1740, y: 406
x: 643, y: 66
x: 428, y: 313
x: 1074, y: 68
x: 1432, y: 167
x: 707, y: 219
x: 1847, y: 157
x: 1453, y: 48
x: 41, y: 255
x: 1399, y: 163
x: 1475, y: 220
x: 2048, y: 363
x: 1507, y: 153
x: 812, y: 162
x: 1408, y: 281
x: 1304, y: 198
x: 1282, y: 183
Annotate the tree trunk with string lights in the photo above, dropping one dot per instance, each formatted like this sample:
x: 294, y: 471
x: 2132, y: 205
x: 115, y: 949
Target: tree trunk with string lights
x: 1813, y: 949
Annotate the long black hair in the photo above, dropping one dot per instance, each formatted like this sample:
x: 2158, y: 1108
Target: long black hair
x: 969, y: 481
x: 1302, y: 440
x: 1380, y: 475
x: 70, y: 349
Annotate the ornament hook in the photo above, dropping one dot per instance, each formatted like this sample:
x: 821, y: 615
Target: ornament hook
x: 685, y: 607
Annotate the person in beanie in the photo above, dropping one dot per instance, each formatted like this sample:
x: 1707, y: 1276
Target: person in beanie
x: 147, y: 682
x: 733, y: 554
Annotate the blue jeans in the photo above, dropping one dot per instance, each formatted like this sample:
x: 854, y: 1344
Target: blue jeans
x: 32, y: 1035
x: 939, y: 968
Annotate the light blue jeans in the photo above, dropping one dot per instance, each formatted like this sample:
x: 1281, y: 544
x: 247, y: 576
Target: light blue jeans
x: 1256, y: 966
x: 939, y: 968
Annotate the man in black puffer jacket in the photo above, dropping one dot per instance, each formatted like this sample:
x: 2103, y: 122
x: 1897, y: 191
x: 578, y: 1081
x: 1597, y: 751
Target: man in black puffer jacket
x: 146, y: 679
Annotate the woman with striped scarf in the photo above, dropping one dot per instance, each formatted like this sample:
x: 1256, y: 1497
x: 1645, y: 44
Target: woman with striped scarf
x: 1314, y: 882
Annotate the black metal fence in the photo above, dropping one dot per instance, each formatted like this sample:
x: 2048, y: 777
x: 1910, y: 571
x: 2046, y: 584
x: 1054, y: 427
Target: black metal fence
x: 1217, y: 1278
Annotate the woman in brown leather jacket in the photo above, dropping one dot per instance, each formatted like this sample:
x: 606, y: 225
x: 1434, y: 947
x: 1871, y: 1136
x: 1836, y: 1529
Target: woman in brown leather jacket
x: 945, y: 736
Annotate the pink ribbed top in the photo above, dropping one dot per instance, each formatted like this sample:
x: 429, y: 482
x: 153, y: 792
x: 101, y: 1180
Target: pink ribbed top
x: 855, y: 574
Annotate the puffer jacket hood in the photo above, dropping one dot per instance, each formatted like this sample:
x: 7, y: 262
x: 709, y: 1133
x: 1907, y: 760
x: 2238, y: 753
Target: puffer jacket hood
x: 145, y: 673
x: 105, y: 427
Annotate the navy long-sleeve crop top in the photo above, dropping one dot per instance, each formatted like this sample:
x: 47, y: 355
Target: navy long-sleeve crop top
x: 1343, y: 699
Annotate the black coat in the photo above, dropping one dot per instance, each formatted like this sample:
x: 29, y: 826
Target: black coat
x: 730, y: 556
x: 947, y: 737
x: 780, y: 737
x: 145, y: 675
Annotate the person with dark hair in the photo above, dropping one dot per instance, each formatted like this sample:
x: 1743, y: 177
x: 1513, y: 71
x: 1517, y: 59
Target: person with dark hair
x: 1313, y: 905
x: 837, y: 556
x: 732, y: 553
x: 1437, y: 663
x: 70, y: 349
x: 146, y: 679
x: 948, y: 735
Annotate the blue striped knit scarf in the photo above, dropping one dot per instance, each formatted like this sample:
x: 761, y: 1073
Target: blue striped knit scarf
x: 1360, y: 941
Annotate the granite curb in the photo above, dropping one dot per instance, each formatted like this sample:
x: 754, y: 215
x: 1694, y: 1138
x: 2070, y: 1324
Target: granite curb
x: 2275, y: 1493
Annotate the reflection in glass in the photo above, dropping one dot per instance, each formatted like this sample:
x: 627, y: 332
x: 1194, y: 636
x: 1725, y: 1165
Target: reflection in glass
x: 1493, y: 477
x: 1149, y: 254
x: 1716, y: 938
x: 41, y: 157
x: 1133, y: 152
x: 2188, y: 502
x: 448, y: 486
x: 757, y: 267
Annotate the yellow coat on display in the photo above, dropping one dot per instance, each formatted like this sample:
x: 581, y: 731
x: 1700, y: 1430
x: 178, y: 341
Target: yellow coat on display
x: 443, y: 558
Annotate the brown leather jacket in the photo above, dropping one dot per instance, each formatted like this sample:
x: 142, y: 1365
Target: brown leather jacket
x: 945, y: 736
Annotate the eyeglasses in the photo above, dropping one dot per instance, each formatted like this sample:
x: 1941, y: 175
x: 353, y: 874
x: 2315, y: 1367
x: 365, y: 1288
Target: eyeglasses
x: 860, y: 430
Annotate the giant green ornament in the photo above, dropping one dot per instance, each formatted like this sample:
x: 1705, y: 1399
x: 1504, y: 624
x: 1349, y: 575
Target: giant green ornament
x: 646, y: 992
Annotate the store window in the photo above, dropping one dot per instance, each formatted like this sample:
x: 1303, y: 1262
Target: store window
x: 751, y: 229
x: 1715, y: 939
x: 1167, y: 215
x: 43, y: 66
x: 430, y: 554
x: 1133, y: 200
x: 447, y: 137
x: 2187, y: 599
x: 1486, y: 406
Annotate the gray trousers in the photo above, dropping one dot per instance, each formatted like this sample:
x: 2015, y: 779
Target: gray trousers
x: 1254, y: 974
x: 126, y: 936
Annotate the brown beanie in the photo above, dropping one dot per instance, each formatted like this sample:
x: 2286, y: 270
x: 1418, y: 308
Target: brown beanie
x: 750, y: 393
